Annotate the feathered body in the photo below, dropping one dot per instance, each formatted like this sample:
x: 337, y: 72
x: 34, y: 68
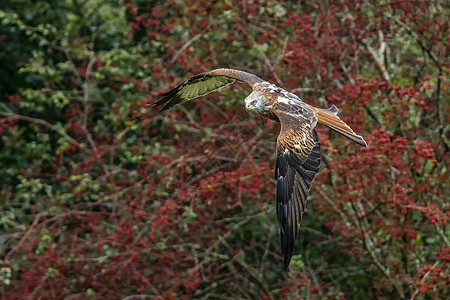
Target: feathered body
x: 298, y: 148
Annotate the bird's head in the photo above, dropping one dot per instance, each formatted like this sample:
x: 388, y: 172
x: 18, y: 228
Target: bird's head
x: 255, y: 102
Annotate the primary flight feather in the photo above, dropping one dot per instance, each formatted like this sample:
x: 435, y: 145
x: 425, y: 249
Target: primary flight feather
x: 298, y: 148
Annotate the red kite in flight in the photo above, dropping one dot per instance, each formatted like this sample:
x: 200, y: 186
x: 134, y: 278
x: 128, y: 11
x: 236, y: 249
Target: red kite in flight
x: 298, y: 149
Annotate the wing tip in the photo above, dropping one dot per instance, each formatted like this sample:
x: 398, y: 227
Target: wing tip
x: 287, y: 248
x: 164, y: 102
x: 168, y: 100
x: 287, y: 262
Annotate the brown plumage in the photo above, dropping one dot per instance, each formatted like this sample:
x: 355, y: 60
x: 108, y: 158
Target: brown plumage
x: 298, y: 149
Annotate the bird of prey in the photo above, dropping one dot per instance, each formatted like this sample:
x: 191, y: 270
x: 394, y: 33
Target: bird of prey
x: 298, y: 149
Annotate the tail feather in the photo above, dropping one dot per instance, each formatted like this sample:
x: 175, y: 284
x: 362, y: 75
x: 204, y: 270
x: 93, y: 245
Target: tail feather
x: 329, y: 117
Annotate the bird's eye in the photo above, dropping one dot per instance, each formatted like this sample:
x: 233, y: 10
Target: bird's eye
x: 253, y: 103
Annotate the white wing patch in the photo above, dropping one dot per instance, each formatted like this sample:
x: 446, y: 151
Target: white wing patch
x: 284, y: 100
x: 297, y: 116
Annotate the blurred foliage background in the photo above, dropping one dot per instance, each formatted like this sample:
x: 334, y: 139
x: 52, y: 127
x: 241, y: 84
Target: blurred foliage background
x: 101, y: 197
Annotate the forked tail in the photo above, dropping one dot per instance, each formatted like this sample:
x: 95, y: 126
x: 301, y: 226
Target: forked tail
x: 329, y: 117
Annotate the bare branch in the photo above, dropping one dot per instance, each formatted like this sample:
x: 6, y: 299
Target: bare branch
x: 24, y: 238
x: 427, y: 274
x: 13, y: 116
x: 185, y: 46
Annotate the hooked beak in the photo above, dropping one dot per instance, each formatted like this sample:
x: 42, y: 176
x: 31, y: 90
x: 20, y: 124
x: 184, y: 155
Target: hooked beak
x: 248, y: 107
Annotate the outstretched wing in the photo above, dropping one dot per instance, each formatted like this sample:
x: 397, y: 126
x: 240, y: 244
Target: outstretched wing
x: 203, y: 84
x: 298, y: 161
